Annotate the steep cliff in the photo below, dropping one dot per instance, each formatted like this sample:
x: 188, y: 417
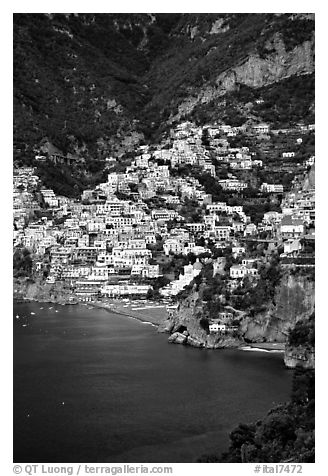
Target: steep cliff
x: 256, y: 72
x: 309, y: 181
x: 300, y: 344
x: 293, y: 301
x: 185, y: 326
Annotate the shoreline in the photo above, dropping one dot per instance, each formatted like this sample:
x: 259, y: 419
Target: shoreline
x: 20, y: 300
x: 267, y: 347
x: 273, y: 347
x: 115, y: 308
x: 118, y: 308
x: 131, y: 310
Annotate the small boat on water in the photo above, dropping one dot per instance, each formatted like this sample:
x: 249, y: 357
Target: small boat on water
x: 49, y: 307
x: 32, y: 313
x: 24, y: 325
x: 17, y: 316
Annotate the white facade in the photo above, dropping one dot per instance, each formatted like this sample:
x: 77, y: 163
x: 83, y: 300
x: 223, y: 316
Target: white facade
x: 272, y: 188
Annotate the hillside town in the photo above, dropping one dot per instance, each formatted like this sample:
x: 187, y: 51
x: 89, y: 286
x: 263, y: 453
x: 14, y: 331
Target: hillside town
x: 163, y: 240
x: 147, y: 232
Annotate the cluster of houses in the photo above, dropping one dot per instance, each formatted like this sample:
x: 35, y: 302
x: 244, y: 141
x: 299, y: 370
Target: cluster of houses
x: 186, y: 147
x: 25, y: 182
x: 102, y: 244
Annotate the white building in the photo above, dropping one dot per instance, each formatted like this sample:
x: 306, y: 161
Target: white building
x: 189, y: 273
x: 261, y: 128
x: 291, y: 228
x: 49, y: 198
x: 287, y: 155
x: 250, y: 229
x: 292, y: 246
x: 173, y: 245
x: 240, y: 271
x: 123, y: 290
x: 215, y: 327
x: 237, y: 251
x: 233, y: 184
x: 272, y: 188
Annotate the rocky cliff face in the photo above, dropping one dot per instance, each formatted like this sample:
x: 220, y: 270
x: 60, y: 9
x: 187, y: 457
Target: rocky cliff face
x: 309, y: 181
x: 185, y: 327
x: 294, y: 300
x: 256, y: 72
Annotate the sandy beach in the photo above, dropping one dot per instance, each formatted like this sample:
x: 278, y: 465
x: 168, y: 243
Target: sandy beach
x: 264, y: 347
x: 144, y: 311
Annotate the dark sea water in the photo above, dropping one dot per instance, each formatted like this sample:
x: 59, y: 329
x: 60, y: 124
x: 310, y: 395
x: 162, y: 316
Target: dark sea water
x: 91, y: 386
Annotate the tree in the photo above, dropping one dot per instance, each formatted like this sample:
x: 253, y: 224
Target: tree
x: 205, y: 137
x: 22, y: 263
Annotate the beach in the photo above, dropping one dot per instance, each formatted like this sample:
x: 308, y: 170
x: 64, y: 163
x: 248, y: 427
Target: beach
x: 264, y: 347
x: 145, y: 311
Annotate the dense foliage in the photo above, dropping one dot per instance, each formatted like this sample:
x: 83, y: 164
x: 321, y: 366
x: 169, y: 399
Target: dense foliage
x: 22, y: 263
x: 69, y: 181
x: 255, y: 298
x: 284, y: 103
x: 288, y: 101
x: 302, y: 334
x: 70, y: 75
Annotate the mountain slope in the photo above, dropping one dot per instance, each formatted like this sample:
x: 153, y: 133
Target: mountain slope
x: 75, y: 80
x: 250, y: 49
x: 95, y: 84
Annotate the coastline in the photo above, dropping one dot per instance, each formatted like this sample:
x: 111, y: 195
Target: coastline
x: 151, y: 313
x: 146, y: 308
x: 155, y: 321
x: 131, y: 310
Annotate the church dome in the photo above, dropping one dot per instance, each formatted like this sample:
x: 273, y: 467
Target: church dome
x: 198, y: 264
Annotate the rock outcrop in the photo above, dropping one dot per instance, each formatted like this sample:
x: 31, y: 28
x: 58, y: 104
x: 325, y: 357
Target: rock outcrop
x: 209, y: 342
x: 293, y: 302
x: 184, y: 325
x: 280, y: 64
x: 256, y: 72
x: 299, y: 357
x: 27, y: 290
x: 309, y: 181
